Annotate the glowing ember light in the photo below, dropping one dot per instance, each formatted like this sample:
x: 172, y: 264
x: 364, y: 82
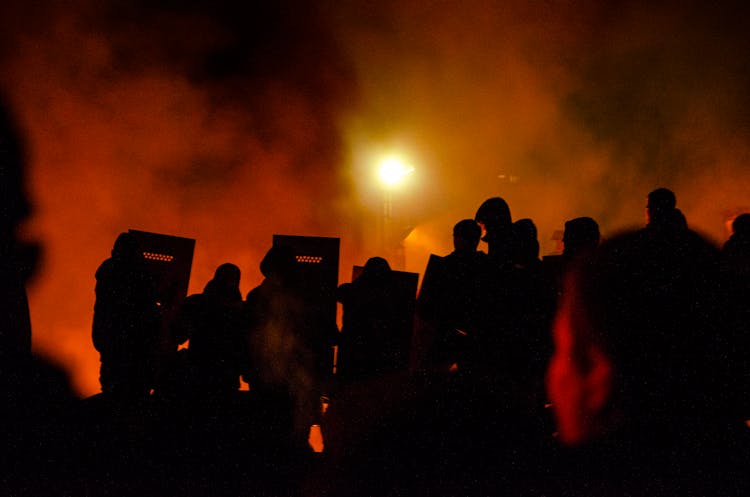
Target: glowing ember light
x: 309, y: 259
x: 315, y: 439
x: 158, y: 257
x: 393, y: 170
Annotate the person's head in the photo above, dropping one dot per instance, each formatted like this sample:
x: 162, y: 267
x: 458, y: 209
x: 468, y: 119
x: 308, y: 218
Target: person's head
x: 659, y: 203
x: 126, y: 247
x: 493, y: 214
x: 637, y: 340
x: 494, y: 218
x: 226, y: 282
x: 14, y: 201
x: 228, y: 275
x: 466, y: 235
x: 581, y: 234
x: 526, y: 248
x: 375, y: 270
x: 741, y: 226
x: 279, y: 264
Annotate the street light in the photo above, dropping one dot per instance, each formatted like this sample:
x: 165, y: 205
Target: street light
x: 392, y: 172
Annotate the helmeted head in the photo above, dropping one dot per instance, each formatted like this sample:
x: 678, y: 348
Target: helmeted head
x: 279, y: 263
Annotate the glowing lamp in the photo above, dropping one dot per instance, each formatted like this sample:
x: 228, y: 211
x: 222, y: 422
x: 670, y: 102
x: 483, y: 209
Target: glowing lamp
x: 393, y: 170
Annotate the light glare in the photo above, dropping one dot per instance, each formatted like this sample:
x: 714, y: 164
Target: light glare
x: 393, y: 170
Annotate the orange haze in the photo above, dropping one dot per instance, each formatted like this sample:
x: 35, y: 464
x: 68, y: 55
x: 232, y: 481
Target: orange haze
x: 230, y: 123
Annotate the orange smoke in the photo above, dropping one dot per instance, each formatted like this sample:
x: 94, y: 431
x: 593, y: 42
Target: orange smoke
x: 229, y: 124
x: 131, y: 124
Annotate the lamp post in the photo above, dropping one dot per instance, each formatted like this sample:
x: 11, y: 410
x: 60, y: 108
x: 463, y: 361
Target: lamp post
x: 392, y: 171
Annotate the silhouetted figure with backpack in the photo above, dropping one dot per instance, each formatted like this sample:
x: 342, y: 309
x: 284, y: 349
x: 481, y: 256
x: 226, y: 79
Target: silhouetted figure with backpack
x: 126, y: 322
x: 212, y: 322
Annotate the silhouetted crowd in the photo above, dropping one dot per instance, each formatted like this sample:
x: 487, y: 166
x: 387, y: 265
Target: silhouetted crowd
x: 618, y: 367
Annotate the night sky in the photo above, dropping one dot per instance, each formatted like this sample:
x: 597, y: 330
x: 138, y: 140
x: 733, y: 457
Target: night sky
x: 228, y: 122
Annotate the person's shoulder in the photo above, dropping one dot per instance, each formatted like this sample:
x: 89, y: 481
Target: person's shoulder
x: 105, y: 268
x: 194, y: 299
x: 481, y: 257
x: 257, y: 292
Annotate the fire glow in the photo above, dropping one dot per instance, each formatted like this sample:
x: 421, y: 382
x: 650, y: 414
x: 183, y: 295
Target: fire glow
x: 230, y: 126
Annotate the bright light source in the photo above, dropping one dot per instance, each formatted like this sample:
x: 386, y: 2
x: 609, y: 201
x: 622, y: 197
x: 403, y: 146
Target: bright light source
x: 393, y: 170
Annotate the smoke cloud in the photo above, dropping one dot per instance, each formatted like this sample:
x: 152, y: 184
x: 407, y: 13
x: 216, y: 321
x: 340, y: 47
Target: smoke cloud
x: 230, y: 121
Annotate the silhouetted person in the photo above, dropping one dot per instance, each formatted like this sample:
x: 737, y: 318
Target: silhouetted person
x: 126, y: 322
x: 581, y: 235
x: 663, y: 218
x: 449, y: 306
x: 15, y: 332
x: 533, y: 303
x: 440, y: 430
x: 212, y: 321
x: 526, y: 244
x: 36, y: 402
x: 735, y: 259
x: 287, y: 344
x: 498, y: 316
x: 736, y: 250
x: 372, y: 327
x: 659, y: 206
x: 639, y: 380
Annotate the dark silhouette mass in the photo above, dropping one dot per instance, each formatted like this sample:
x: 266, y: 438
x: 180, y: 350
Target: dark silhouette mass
x: 17, y: 258
x: 37, y: 430
x: 641, y: 379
